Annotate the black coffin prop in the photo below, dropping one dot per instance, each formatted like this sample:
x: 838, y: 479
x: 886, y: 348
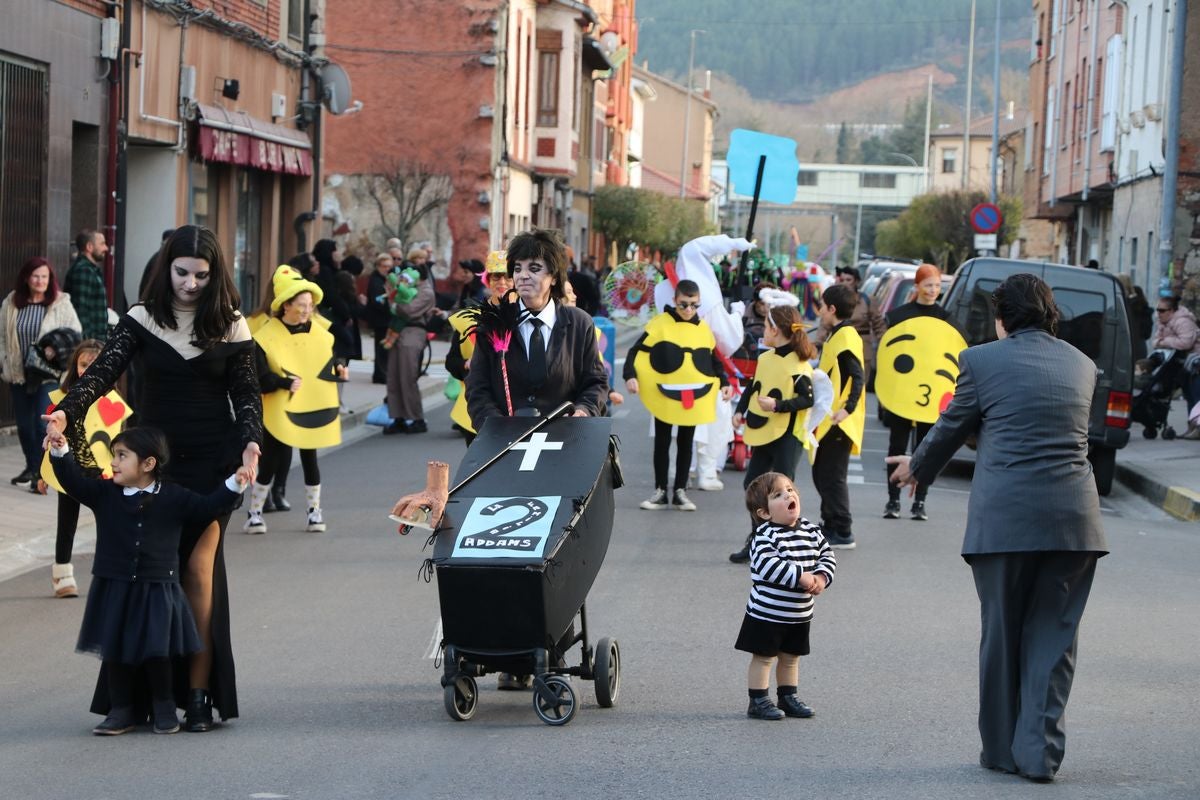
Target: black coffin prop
x: 523, y: 541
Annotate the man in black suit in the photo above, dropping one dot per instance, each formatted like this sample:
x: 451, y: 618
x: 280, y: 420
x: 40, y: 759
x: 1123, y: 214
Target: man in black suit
x: 1033, y: 522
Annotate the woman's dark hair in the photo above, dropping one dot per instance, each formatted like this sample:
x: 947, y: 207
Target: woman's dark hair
x: 353, y: 265
x: 545, y: 245
x: 1025, y: 301
x: 842, y: 298
x: 787, y: 320
x: 219, y: 301
x: 323, y: 252
x: 21, y: 290
x: 72, y: 372
x: 146, y: 443
x: 759, y: 491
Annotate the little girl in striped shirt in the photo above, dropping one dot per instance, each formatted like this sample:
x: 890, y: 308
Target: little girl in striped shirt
x: 790, y: 563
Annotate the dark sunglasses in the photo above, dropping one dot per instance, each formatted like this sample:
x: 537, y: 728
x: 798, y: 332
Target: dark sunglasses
x: 688, y: 305
x: 666, y: 357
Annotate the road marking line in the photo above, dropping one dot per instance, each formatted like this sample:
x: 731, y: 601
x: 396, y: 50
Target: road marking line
x: 855, y: 479
x: 435, y: 641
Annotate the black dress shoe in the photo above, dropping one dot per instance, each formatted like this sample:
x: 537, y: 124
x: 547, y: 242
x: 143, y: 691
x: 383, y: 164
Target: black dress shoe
x: 793, y: 706
x: 118, y: 721
x: 741, y: 556
x: 280, y: 499
x: 418, y: 426
x: 396, y: 427
x: 198, y: 718
x: 763, y: 708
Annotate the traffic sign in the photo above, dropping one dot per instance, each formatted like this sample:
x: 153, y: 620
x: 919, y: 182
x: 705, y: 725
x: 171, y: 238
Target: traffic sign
x: 986, y: 218
x: 985, y: 241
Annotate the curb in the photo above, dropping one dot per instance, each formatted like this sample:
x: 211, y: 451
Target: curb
x: 1177, y: 501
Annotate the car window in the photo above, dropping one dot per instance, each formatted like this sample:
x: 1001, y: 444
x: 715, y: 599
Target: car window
x: 974, y: 317
x: 903, y: 293
x: 1081, y: 320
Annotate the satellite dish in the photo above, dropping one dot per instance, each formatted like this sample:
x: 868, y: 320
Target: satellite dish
x: 337, y: 88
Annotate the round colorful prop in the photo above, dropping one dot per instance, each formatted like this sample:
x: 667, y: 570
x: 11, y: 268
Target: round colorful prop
x: 629, y: 292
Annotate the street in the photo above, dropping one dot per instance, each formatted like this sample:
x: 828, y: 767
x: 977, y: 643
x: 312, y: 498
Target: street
x: 335, y: 633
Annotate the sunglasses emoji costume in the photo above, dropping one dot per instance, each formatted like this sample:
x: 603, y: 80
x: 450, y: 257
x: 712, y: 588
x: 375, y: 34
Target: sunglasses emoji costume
x: 308, y: 418
x: 917, y: 367
x: 676, y: 370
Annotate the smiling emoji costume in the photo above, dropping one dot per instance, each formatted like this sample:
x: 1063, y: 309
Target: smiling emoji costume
x: 307, y: 419
x: 676, y: 370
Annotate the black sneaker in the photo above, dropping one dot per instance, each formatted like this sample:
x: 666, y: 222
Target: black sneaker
x: 118, y: 721
x: 165, y: 718
x: 839, y: 542
x: 741, y: 556
x: 23, y: 479
x: 763, y: 708
x: 918, y: 510
x: 793, y: 706
x: 892, y: 510
x: 198, y: 717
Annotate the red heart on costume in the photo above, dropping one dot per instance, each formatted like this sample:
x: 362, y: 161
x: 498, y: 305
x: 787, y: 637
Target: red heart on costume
x: 111, y: 412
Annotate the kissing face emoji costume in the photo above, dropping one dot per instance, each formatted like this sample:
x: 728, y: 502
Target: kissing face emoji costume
x: 917, y: 367
x: 676, y: 372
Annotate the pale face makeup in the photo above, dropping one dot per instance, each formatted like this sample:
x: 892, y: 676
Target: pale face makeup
x: 189, y: 277
x: 533, y: 281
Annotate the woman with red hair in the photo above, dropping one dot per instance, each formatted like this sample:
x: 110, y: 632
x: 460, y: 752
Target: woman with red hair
x: 32, y: 309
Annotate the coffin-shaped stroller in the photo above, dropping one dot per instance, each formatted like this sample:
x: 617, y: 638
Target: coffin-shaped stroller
x: 520, y: 545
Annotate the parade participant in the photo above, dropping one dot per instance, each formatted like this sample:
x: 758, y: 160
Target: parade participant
x: 1033, y: 533
x: 865, y: 319
x: 462, y: 342
x: 918, y: 364
x: 790, y: 564
x: 298, y: 373
x: 137, y: 617
x: 840, y: 434
x: 673, y: 369
x: 93, y: 456
x: 34, y: 308
x: 201, y: 390
x: 775, y: 406
x: 408, y: 318
x: 521, y: 371
x: 571, y: 300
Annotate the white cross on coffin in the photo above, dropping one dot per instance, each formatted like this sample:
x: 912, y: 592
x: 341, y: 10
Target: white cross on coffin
x: 534, y: 448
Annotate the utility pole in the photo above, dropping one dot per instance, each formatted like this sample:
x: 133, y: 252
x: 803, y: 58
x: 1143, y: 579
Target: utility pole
x: 996, y: 101
x: 1170, y: 182
x: 687, y: 117
x: 928, y: 119
x: 966, y: 159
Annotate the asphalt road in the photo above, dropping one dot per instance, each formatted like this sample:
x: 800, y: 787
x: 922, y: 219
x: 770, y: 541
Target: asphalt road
x: 334, y: 634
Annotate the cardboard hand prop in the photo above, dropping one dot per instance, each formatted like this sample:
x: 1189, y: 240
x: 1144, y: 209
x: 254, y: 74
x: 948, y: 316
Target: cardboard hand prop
x: 424, y: 509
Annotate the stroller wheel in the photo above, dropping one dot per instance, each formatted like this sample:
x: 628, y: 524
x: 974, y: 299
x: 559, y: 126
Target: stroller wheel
x: 554, y: 700
x: 607, y: 672
x: 1150, y: 432
x: 1168, y: 433
x: 461, y: 698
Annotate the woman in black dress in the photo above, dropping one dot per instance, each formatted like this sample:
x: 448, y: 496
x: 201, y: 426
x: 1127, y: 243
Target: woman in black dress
x: 195, y: 349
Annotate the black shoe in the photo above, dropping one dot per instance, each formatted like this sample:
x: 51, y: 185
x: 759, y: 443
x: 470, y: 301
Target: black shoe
x: 269, y: 503
x: 378, y: 379
x: 793, y: 706
x: 198, y: 717
x: 23, y: 479
x: 839, y: 542
x: 165, y: 718
x: 118, y: 721
x: 918, y: 510
x: 396, y: 427
x: 514, y: 683
x: 280, y: 499
x: 741, y: 556
x: 763, y: 708
x: 892, y: 510
x: 417, y: 426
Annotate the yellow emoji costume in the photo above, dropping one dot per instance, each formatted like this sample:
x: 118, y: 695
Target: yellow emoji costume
x: 309, y: 418
x: 917, y: 367
x: 775, y: 376
x: 462, y: 322
x: 676, y: 371
x: 103, y: 422
x: 845, y: 338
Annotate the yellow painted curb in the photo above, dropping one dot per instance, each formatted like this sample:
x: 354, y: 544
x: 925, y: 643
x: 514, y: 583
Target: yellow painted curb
x: 1182, y: 503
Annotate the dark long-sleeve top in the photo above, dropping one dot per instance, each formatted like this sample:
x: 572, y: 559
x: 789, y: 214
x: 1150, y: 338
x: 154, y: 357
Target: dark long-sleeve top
x: 628, y: 371
x: 802, y: 391
x: 779, y: 555
x: 377, y: 307
x: 269, y: 381
x: 137, y: 536
x: 852, y: 370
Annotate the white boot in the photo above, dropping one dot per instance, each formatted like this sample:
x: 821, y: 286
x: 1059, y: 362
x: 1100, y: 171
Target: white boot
x: 254, y: 515
x: 706, y: 469
x: 312, y: 498
x: 62, y: 580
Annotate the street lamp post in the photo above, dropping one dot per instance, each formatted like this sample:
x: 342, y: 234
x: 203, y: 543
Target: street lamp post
x: 687, y: 116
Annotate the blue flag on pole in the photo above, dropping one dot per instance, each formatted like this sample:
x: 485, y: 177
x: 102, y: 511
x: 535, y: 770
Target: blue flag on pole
x: 779, y: 174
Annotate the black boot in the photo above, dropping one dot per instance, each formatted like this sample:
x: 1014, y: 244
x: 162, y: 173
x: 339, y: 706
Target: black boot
x: 743, y: 555
x: 198, y: 718
x: 118, y: 721
x: 279, y: 494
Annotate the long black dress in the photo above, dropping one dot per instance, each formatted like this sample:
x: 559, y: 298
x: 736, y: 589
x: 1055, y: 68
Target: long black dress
x: 187, y: 395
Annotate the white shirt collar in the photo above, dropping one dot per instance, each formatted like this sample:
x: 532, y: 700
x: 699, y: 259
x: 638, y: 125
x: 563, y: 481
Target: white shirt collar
x: 130, y: 491
x: 548, y: 314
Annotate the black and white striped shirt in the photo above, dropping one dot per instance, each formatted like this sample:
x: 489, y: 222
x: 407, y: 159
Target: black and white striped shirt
x: 779, y: 555
x: 29, y: 325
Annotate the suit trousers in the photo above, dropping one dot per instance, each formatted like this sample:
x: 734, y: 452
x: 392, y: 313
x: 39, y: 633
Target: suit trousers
x: 1030, y: 607
x: 403, y: 372
x: 829, y: 479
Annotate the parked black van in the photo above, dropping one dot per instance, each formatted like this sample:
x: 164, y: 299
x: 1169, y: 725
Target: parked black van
x: 1093, y: 319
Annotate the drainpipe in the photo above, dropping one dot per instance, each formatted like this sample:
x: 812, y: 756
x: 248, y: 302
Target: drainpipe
x: 141, y: 54
x: 1091, y: 104
x: 1061, y: 55
x: 111, y: 160
x: 1166, y: 226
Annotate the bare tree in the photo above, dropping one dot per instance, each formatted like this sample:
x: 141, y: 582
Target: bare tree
x: 404, y: 193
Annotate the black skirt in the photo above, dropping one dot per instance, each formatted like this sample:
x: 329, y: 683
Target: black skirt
x: 132, y: 622
x: 772, y: 638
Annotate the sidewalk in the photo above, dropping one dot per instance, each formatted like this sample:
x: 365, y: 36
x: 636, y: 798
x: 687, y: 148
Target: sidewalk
x: 27, y: 526
x: 1164, y: 472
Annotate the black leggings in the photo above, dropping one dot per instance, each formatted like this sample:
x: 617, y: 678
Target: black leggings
x: 68, y: 522
x: 121, y: 679
x: 901, y: 432
x: 277, y: 456
x: 662, y: 453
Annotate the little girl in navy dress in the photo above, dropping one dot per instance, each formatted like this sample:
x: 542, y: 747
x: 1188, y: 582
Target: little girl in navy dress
x: 137, y: 616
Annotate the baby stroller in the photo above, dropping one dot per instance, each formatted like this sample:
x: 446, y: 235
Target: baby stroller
x: 1155, y: 379
x: 521, y: 542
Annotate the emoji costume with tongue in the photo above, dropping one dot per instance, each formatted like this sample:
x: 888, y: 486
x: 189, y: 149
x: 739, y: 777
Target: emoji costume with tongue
x: 676, y: 370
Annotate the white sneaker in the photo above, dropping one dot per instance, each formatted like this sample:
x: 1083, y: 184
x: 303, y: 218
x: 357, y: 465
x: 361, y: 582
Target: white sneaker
x: 315, y: 523
x: 656, y: 501
x: 254, y: 523
x: 681, y: 502
x: 709, y: 485
x: 62, y: 580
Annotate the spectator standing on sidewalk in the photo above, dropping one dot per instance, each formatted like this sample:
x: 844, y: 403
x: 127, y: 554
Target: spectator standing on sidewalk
x: 85, y: 284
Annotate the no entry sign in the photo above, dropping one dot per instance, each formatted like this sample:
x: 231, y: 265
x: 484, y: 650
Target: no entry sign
x: 986, y: 218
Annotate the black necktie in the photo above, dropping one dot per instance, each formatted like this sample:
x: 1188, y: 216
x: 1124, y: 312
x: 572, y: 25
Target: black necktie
x: 537, y: 354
